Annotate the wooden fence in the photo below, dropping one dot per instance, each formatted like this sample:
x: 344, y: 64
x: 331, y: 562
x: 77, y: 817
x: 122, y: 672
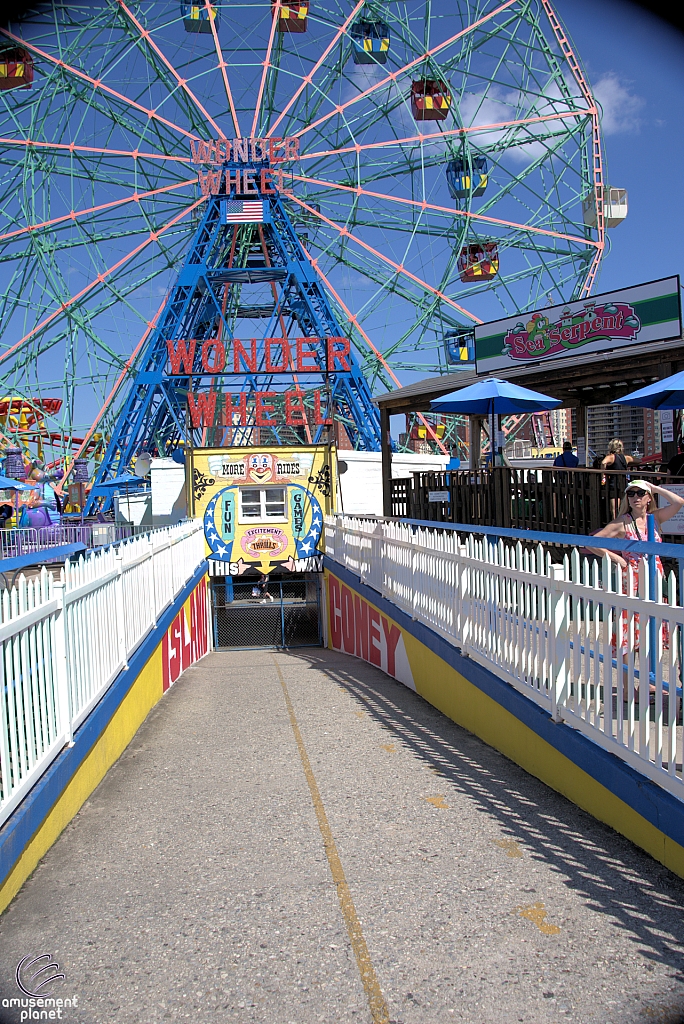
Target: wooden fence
x: 554, y: 500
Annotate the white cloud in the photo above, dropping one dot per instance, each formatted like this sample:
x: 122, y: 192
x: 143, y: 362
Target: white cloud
x: 620, y: 107
x: 501, y: 105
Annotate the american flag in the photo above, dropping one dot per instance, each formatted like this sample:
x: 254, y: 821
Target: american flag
x: 244, y: 211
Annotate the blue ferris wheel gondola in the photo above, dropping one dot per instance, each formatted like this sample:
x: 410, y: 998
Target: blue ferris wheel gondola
x: 467, y: 177
x: 371, y: 42
x: 198, y: 18
x: 459, y: 348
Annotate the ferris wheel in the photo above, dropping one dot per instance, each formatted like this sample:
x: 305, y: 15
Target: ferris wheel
x: 445, y: 170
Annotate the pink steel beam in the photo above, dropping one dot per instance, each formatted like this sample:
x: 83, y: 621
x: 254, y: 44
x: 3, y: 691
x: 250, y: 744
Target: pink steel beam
x: 393, y: 75
x: 100, y: 279
x: 222, y: 65
x: 346, y: 233
x: 355, y: 321
x: 597, y: 160
x: 151, y: 324
x: 97, y: 84
x: 359, y: 147
x: 75, y: 214
x: 423, y: 205
x: 266, y: 64
x: 135, y: 154
x: 144, y: 34
x: 308, y: 78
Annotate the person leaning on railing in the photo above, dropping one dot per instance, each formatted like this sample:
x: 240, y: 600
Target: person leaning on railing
x: 631, y: 523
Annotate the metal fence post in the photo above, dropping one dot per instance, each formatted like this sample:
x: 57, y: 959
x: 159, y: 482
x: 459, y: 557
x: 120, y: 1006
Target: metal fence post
x: 559, y: 650
x: 120, y: 611
x: 62, y: 690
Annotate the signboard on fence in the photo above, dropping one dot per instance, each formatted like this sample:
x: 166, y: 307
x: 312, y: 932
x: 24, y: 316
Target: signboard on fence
x: 263, y: 508
x: 630, y: 316
x: 676, y: 524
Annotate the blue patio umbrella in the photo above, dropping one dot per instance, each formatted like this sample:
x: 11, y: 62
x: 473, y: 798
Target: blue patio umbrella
x: 662, y: 394
x: 493, y: 397
x: 8, y: 484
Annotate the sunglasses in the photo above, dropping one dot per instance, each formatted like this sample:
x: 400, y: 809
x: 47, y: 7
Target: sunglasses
x: 636, y: 492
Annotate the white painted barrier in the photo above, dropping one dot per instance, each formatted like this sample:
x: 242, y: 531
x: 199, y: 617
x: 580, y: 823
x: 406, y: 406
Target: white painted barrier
x: 552, y: 626
x: 29, y: 540
x: 63, y: 642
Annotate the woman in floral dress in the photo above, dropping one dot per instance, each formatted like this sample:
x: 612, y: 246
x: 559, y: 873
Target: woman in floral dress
x: 631, y: 524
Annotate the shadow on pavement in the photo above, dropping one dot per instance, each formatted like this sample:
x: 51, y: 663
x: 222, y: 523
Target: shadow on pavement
x: 616, y: 878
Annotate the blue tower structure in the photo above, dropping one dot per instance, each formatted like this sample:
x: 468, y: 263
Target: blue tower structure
x: 245, y: 266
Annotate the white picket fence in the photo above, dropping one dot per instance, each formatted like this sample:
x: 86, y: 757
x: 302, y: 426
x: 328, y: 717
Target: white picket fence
x: 63, y: 642
x: 553, y: 627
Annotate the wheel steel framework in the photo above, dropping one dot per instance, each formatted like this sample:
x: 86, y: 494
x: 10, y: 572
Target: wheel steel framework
x: 445, y: 151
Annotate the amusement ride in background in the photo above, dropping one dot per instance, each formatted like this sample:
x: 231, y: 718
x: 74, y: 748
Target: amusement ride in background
x: 390, y: 173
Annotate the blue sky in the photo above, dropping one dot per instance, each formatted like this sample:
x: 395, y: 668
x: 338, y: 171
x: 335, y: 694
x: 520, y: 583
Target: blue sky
x: 635, y: 63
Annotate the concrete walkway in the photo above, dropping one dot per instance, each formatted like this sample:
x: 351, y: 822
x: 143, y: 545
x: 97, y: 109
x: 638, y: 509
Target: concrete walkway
x: 294, y: 838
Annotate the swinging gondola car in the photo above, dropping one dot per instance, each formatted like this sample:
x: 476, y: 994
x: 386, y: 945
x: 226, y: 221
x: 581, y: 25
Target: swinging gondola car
x: 460, y: 179
x: 198, y: 17
x: 291, y: 17
x: 614, y: 208
x: 478, y: 262
x: 370, y: 42
x: 459, y: 347
x: 430, y: 99
x: 16, y: 69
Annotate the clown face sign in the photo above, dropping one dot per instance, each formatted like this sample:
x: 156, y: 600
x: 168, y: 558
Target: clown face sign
x: 260, y: 467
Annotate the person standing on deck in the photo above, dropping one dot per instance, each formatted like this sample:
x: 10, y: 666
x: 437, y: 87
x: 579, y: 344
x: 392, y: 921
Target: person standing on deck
x: 567, y: 457
x: 616, y: 459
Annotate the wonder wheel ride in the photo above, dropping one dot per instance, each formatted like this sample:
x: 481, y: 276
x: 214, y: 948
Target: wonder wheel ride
x: 444, y: 168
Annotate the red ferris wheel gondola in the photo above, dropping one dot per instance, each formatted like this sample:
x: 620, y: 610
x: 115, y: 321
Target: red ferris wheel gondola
x: 16, y: 69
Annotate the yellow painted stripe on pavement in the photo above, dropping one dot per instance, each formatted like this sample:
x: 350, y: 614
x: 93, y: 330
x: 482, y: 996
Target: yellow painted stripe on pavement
x: 376, y: 1000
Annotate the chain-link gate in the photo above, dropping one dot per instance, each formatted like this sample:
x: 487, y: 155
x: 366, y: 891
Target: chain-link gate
x: 269, y: 613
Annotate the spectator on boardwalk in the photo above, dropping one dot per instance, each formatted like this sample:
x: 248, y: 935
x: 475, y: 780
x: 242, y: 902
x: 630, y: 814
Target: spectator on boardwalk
x: 631, y: 524
x: 616, y: 458
x: 567, y: 457
x: 675, y: 466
